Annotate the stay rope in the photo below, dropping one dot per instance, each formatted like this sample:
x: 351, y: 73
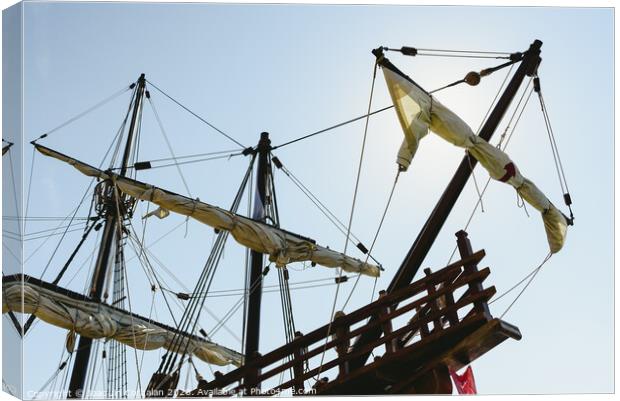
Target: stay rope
x: 196, y: 115
x: 338, y: 224
x: 554, y: 150
x: 163, y: 132
x: 346, y: 244
x: 192, y: 311
x: 87, y: 111
x: 374, y: 240
x: 532, y: 276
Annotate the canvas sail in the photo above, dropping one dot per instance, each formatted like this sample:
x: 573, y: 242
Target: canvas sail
x: 418, y: 113
x: 87, y: 317
x: 281, y: 246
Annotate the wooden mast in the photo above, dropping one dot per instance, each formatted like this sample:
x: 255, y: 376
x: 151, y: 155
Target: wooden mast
x: 428, y: 234
x: 254, y: 286
x: 80, y: 366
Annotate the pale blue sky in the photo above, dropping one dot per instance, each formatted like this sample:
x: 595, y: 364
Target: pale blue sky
x: 291, y: 70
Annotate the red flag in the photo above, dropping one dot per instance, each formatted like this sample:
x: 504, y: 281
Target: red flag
x: 465, y: 383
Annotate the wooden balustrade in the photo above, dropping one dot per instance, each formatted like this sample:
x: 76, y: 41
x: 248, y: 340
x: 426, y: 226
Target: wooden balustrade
x: 421, y: 298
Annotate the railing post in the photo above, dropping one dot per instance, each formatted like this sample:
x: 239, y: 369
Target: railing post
x: 251, y: 385
x: 423, y: 325
x: 433, y: 304
x: 342, y: 347
x: 390, y: 345
x: 452, y: 316
x: 465, y: 250
x: 298, y: 368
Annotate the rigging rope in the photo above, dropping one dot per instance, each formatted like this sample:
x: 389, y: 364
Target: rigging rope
x: 374, y: 240
x: 533, y: 276
x: 74, y: 213
x: 163, y: 132
x: 192, y: 311
x: 554, y: 150
x: 85, y: 112
x: 333, y: 127
x: 219, y: 152
x: 19, y: 228
x: 340, y: 226
x: 196, y: 115
x: 487, y: 72
x: 227, y: 156
x: 288, y: 318
x: 29, y: 187
x: 142, y: 254
x: 357, y: 181
x: 160, y: 280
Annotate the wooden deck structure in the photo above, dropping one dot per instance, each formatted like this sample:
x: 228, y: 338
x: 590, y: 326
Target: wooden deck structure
x: 437, y: 323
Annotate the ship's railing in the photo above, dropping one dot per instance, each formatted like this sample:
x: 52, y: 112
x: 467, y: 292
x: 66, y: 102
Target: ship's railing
x: 437, y: 302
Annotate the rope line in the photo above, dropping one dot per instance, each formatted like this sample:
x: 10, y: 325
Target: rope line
x: 340, y: 226
x: 334, y: 126
x: 177, y: 164
x: 85, y: 112
x: 196, y: 115
x: 461, y: 56
x: 533, y: 276
x: 19, y: 226
x: 163, y: 132
x: 74, y: 212
x: 554, y: 146
x: 219, y: 152
x: 374, y: 240
x: 357, y: 181
x: 29, y: 187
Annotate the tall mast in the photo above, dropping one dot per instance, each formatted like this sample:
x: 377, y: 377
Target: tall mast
x: 427, y: 236
x: 255, y: 284
x: 80, y: 366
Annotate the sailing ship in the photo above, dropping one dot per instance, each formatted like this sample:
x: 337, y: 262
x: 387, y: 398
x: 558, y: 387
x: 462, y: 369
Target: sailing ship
x: 418, y: 333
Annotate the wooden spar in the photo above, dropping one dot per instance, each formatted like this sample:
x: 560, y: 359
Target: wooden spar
x: 80, y: 366
x: 254, y: 286
x: 430, y: 230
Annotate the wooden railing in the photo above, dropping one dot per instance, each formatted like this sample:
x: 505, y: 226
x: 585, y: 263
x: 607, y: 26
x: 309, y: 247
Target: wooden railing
x: 439, y: 301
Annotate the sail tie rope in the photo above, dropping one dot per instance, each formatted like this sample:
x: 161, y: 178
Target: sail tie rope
x: 521, y: 203
x: 196, y: 115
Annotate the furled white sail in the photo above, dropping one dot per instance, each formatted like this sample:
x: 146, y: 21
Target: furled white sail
x: 418, y: 112
x: 281, y: 246
x: 86, y: 317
